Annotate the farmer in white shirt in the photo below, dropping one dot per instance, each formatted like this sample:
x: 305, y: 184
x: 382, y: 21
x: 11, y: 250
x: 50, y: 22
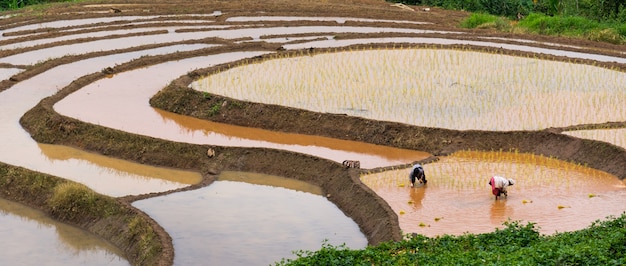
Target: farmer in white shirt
x: 499, y: 185
x: 417, y: 173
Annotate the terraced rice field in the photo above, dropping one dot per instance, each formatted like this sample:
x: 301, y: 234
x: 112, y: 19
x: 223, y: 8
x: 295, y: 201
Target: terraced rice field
x: 395, y: 86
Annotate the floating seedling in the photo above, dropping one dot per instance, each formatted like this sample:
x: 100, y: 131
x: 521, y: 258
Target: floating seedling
x: 438, y: 218
x: 561, y: 207
x: 402, y: 212
x: 527, y: 201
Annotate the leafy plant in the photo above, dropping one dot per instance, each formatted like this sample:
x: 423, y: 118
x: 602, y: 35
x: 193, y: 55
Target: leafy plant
x: 215, y: 109
x: 602, y: 243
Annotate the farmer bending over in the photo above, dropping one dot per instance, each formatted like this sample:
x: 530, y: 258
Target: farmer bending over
x: 499, y: 185
x: 417, y: 173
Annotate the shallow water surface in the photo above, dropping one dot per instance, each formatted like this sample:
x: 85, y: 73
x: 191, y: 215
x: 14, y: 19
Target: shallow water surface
x: 556, y: 195
x: 19, y: 149
x: 238, y: 223
x: 381, y: 84
x: 122, y: 102
x: 369, y: 155
x: 125, y: 177
x: 31, y: 238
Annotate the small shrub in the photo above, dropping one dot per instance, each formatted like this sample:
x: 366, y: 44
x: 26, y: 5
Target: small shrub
x: 605, y: 35
x: 72, y: 201
x: 486, y: 21
x: 477, y: 19
x: 215, y: 109
x: 206, y: 95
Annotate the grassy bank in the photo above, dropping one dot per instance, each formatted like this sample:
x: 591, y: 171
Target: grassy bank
x: 602, y: 243
x: 75, y: 204
x: 535, y: 23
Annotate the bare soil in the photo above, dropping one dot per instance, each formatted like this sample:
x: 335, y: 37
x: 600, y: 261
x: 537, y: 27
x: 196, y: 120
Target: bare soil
x: 342, y: 186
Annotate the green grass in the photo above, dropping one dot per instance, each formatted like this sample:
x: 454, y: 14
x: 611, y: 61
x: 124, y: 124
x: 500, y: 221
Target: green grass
x: 569, y: 26
x: 73, y: 201
x: 482, y: 20
x: 602, y: 243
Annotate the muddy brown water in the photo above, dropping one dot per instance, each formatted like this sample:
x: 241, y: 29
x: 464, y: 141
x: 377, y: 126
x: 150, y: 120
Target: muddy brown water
x: 369, y: 155
x: 30, y: 237
x: 127, y: 177
x: 556, y: 195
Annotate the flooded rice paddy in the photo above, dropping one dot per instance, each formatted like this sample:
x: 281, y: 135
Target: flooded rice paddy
x: 442, y: 89
x: 261, y: 219
x: 121, y: 102
x: 556, y: 195
x: 32, y: 238
x: 247, y: 222
x: 613, y: 136
x: 124, y: 177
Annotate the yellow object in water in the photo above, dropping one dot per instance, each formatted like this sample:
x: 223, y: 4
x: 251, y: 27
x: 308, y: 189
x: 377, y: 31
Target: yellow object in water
x: 527, y: 201
x: 401, y: 185
x: 561, y: 207
x: 410, y: 202
x: 401, y: 212
x: 422, y: 224
x: 438, y: 218
x: 592, y: 195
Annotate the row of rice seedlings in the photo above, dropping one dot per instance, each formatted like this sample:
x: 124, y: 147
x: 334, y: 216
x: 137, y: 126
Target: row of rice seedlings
x: 456, y: 89
x: 470, y: 170
x: 614, y: 136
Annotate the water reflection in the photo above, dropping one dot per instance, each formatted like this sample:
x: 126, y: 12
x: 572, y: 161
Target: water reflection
x: 19, y: 149
x: 237, y: 223
x: 416, y: 197
x: 40, y: 240
x: 270, y: 180
x: 112, y: 103
x: 369, y: 155
x: 130, y: 175
x: 556, y: 195
x: 500, y: 212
